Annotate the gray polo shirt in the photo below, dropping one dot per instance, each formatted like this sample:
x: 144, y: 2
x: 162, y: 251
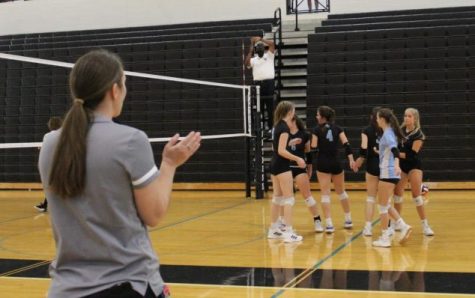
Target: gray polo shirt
x: 100, y: 238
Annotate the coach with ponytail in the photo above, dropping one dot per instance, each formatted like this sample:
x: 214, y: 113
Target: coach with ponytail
x: 104, y: 188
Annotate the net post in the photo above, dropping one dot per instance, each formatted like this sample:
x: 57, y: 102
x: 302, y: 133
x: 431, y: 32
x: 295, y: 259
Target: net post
x: 258, y: 159
x: 248, y: 129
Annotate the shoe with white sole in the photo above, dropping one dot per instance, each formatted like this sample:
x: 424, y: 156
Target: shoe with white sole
x: 383, y: 241
x: 275, y: 233
x: 367, y: 231
x: 427, y: 230
x: 291, y: 236
x: 318, y: 226
x: 406, y: 231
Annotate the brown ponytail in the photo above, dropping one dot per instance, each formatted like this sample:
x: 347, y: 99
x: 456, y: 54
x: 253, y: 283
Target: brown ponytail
x: 91, y: 77
x: 391, y: 119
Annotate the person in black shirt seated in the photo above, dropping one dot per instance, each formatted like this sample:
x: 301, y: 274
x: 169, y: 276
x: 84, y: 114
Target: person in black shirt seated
x: 324, y: 143
x: 282, y: 181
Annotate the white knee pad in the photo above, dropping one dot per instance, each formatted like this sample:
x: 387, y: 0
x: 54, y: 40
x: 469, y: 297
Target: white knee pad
x: 325, y: 199
x: 277, y: 200
x: 287, y: 201
x: 370, y: 199
x: 344, y: 196
x: 383, y: 209
x: 398, y: 199
x: 310, y: 201
x: 418, y: 200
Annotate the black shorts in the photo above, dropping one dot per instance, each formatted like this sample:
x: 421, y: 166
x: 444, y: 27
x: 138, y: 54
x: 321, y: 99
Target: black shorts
x: 279, y: 166
x: 390, y: 180
x: 329, y: 166
x: 372, y: 167
x: 297, y: 171
x: 406, y: 167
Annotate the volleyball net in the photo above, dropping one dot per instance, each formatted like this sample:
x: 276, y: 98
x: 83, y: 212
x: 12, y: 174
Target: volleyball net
x: 33, y: 89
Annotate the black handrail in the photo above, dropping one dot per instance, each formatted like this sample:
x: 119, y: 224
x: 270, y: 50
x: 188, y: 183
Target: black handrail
x: 297, y: 4
x: 278, y: 45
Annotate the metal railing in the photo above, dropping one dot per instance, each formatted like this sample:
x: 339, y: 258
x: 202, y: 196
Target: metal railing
x: 278, y: 46
x: 294, y: 5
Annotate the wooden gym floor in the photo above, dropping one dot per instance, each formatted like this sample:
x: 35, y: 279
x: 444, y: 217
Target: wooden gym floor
x: 213, y: 244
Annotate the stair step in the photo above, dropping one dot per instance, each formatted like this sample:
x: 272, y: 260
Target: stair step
x: 293, y: 93
x: 294, y: 52
x: 294, y: 62
x: 293, y: 72
x: 297, y: 34
x: 295, y: 41
x: 294, y: 83
x: 299, y: 103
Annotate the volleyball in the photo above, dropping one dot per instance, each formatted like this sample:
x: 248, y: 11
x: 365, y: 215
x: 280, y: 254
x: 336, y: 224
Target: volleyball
x: 424, y: 190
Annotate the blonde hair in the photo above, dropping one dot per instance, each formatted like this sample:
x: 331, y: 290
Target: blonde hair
x: 282, y: 109
x: 417, y: 122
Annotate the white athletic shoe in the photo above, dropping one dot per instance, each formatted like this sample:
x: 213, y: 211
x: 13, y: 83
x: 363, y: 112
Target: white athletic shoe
x: 329, y: 229
x: 383, y: 241
x: 291, y: 236
x: 275, y: 234
x: 318, y: 226
x: 390, y: 231
x: 397, y: 226
x: 367, y: 231
x: 348, y: 224
x: 406, y: 231
x: 427, y: 230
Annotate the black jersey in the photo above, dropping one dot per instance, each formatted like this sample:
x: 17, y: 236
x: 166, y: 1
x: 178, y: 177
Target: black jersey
x: 373, y: 142
x: 328, y: 138
x: 299, y: 149
x: 409, y: 139
x: 279, y: 164
x: 372, y: 158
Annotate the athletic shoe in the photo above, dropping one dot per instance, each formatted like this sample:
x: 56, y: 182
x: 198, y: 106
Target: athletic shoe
x: 290, y: 236
x: 348, y: 224
x: 427, y: 230
x: 367, y: 231
x: 329, y: 229
x: 42, y: 207
x: 383, y: 241
x: 318, y: 226
x: 275, y: 233
x: 406, y: 231
x: 390, y: 231
x: 397, y: 226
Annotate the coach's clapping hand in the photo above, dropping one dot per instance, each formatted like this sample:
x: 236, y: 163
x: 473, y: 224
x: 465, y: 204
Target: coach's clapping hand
x: 177, y: 152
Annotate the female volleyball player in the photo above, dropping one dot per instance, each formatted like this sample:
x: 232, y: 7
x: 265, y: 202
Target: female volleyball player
x: 299, y: 145
x: 325, y: 139
x: 54, y: 123
x: 389, y: 176
x: 368, y: 152
x: 411, y: 166
x: 282, y: 181
x: 370, y: 140
x: 103, y: 188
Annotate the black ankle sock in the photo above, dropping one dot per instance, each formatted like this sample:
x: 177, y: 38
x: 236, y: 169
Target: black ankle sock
x: 317, y: 218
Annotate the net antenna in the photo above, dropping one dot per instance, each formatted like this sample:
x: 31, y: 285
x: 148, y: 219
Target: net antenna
x: 250, y: 105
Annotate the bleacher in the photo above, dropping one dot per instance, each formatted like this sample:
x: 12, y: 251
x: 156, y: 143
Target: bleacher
x: 31, y: 93
x: 419, y: 58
